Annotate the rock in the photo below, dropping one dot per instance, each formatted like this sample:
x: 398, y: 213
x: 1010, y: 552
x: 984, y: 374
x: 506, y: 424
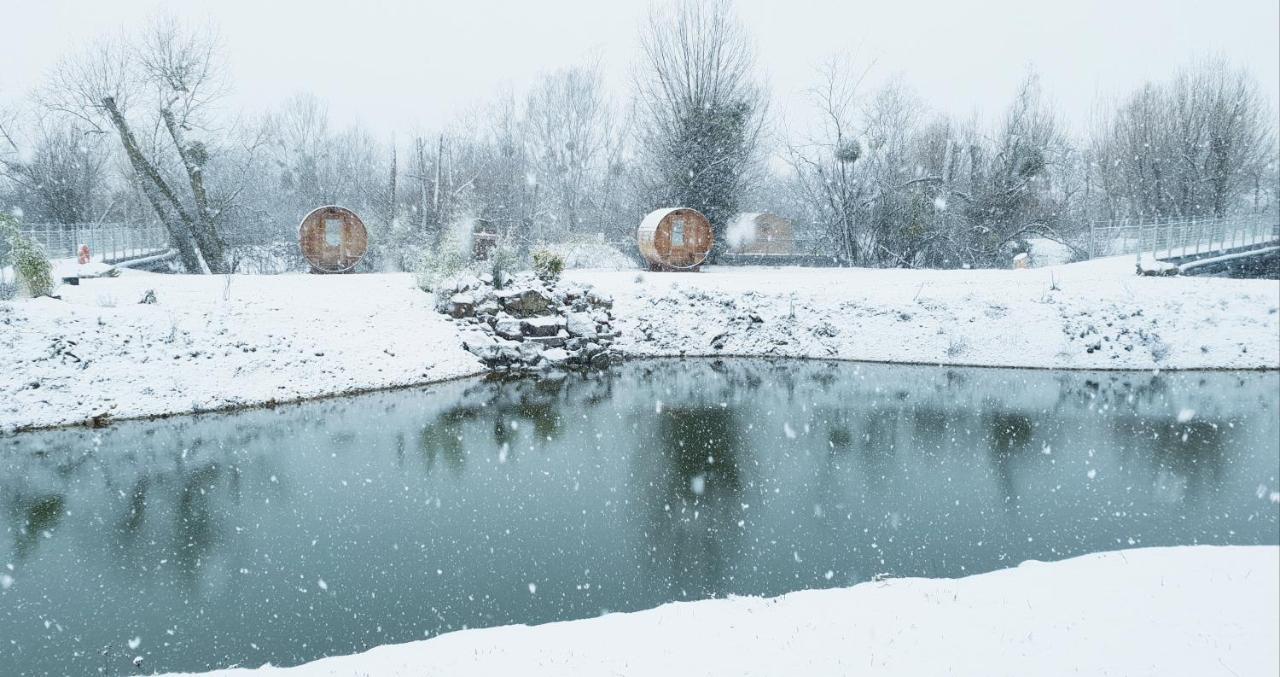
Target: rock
x: 508, y: 352
x: 523, y: 302
x: 556, y: 356
x: 479, y: 344
x: 462, y: 305
x: 476, y: 336
x: 540, y: 326
x: 599, y: 299
x: 487, y: 307
x: 591, y: 348
x: 508, y: 329
x: 486, y: 352
x: 486, y: 278
x: 530, y: 352
x: 466, y: 283
x: 547, y: 341
x: 580, y: 324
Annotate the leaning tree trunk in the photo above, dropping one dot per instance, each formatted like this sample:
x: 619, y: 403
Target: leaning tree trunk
x: 205, y: 233
x: 157, y: 191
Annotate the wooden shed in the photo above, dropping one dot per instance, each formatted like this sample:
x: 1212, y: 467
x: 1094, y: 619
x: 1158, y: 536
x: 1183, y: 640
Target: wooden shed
x: 761, y: 234
x: 484, y: 239
x: 676, y: 238
x: 333, y: 239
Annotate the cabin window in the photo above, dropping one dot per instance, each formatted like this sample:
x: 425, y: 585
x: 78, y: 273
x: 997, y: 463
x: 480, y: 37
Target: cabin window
x: 333, y: 232
x: 677, y: 233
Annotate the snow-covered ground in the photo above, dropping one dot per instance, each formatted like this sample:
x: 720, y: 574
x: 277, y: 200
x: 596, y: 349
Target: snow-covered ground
x: 1158, y: 611
x: 208, y: 343
x: 1044, y: 317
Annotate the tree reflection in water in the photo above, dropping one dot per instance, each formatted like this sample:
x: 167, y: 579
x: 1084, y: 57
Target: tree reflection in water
x: 493, y: 501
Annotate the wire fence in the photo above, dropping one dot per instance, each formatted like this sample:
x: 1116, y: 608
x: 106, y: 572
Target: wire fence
x: 8, y: 276
x: 1181, y: 238
x: 109, y: 242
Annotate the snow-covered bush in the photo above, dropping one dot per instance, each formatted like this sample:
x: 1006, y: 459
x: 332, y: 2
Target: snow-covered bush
x: 27, y: 258
x: 503, y: 262
x: 591, y: 253
x: 547, y: 265
x: 442, y: 263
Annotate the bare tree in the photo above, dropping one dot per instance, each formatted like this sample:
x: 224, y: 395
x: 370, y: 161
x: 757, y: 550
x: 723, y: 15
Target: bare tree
x: 165, y: 80
x: 60, y: 170
x: 701, y: 113
x: 1197, y: 145
x: 569, y: 137
x: 824, y: 166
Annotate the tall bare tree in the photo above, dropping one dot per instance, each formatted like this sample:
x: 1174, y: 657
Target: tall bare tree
x: 1197, y: 145
x: 701, y: 111
x: 60, y: 168
x: 164, y: 80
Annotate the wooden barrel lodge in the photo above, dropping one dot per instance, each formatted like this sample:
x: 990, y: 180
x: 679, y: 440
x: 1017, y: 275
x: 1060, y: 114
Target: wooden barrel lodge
x: 676, y: 238
x: 333, y: 239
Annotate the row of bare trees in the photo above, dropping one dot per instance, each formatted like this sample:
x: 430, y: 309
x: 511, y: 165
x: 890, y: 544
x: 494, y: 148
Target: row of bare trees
x: 136, y: 129
x: 885, y: 182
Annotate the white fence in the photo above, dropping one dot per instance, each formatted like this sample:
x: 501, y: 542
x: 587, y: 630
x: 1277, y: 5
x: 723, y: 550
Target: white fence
x: 1171, y: 239
x: 106, y: 241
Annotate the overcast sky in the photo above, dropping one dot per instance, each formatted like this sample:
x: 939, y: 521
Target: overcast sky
x: 405, y: 65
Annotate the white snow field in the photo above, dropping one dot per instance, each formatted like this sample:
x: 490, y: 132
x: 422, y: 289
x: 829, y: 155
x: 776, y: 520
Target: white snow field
x: 207, y: 345
x: 1158, y: 611
x: 211, y: 344
x: 1011, y: 318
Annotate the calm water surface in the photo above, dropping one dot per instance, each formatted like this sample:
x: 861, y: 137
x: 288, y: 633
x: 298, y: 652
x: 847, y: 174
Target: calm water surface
x: 325, y: 528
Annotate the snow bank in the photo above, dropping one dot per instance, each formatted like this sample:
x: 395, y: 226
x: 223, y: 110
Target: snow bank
x: 1167, y: 611
x: 209, y: 343
x: 1091, y: 315
x: 213, y: 342
x: 587, y: 254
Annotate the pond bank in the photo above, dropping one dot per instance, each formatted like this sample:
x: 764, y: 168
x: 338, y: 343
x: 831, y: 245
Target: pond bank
x: 217, y: 342
x: 1170, y: 611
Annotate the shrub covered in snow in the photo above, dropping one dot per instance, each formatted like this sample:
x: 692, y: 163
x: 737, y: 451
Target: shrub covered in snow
x: 548, y: 265
x: 443, y: 263
x: 27, y: 258
x: 592, y: 254
x: 504, y: 261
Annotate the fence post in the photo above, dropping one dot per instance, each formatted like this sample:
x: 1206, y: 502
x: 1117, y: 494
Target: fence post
x: 1139, y: 253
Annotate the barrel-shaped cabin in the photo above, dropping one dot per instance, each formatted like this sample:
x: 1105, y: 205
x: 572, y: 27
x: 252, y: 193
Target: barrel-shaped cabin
x: 333, y: 239
x: 677, y: 238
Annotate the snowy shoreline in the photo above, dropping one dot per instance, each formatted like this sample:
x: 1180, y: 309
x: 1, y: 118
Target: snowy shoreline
x: 1189, y: 610
x: 216, y: 343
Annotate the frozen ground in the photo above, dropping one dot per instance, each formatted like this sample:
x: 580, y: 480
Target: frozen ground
x: 208, y: 344
x: 1158, y: 611
x: 1091, y: 315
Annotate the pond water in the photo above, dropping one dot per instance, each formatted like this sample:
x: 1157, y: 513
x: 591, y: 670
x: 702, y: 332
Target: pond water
x: 330, y: 527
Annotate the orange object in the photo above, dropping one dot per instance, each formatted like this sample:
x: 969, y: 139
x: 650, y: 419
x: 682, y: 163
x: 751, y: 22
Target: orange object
x: 675, y: 239
x: 85, y: 256
x: 333, y: 239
